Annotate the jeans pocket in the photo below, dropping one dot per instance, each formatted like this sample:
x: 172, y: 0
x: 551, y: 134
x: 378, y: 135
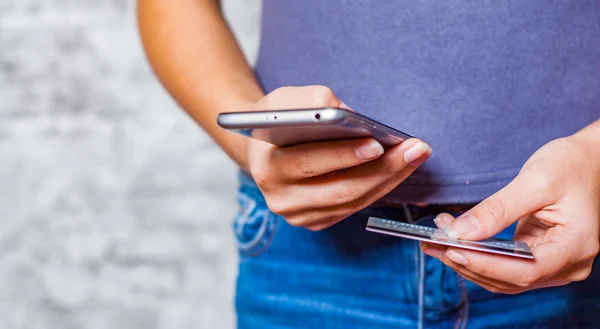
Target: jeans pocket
x: 254, y: 224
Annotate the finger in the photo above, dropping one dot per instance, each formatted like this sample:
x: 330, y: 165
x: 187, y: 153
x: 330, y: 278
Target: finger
x: 529, y: 230
x: 357, y: 187
x: 324, y: 223
x: 550, y: 260
x: 562, y: 279
x: 488, y: 284
x: 300, y: 97
x: 315, y: 159
x: 527, y: 193
x: 433, y: 250
x: 438, y: 251
x: 443, y: 220
x: 497, y: 289
x: 345, y: 186
x: 578, y: 273
x: 321, y: 218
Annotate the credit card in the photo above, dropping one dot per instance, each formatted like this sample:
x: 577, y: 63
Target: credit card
x: 434, y: 235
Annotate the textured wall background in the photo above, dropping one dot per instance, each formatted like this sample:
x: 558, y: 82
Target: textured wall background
x: 115, y: 208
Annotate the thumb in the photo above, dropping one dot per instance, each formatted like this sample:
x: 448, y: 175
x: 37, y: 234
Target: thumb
x: 526, y: 194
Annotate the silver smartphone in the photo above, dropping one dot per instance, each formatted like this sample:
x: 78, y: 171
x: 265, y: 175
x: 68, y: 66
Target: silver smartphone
x: 433, y: 235
x: 297, y: 126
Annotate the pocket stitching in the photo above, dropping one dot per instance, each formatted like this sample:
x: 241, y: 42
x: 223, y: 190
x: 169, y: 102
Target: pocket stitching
x: 243, y: 218
x: 265, y: 233
x: 266, y: 238
x: 259, y: 233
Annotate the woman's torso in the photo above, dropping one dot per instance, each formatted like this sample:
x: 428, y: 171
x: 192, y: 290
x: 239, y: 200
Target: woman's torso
x: 485, y: 83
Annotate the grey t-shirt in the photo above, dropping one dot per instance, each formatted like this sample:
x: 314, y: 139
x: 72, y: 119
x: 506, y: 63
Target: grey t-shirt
x: 485, y: 83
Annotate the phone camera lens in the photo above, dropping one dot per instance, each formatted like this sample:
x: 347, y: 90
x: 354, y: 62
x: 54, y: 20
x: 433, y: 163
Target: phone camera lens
x: 275, y: 118
x: 317, y: 116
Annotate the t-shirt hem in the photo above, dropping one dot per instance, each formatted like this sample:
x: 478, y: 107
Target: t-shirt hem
x: 445, y: 194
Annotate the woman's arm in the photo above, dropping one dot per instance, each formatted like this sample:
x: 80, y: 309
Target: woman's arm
x: 196, y: 57
x: 313, y: 185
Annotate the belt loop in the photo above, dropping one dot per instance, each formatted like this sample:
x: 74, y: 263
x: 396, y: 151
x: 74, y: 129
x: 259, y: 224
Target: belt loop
x: 407, y: 213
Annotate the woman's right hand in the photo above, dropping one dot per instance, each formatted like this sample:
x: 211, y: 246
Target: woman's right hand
x: 316, y: 185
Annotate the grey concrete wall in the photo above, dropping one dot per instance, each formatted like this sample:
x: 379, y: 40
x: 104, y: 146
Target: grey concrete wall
x: 115, y: 208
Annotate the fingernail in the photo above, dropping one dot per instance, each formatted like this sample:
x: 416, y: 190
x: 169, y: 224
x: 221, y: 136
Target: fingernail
x: 456, y: 257
x: 369, y: 151
x: 433, y: 252
x: 462, y: 227
x: 442, y: 221
x: 416, y: 151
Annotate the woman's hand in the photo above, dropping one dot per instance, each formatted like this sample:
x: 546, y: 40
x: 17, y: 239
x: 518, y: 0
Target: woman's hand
x: 316, y: 185
x: 556, y: 201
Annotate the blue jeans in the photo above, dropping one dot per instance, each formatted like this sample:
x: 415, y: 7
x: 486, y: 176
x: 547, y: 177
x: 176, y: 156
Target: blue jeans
x: 346, y: 277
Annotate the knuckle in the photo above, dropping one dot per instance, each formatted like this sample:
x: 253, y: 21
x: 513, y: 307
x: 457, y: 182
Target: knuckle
x: 483, y: 271
x: 591, y: 251
x: 493, y: 289
x: 344, y: 194
x: 297, y: 221
x: 277, y: 206
x: 314, y: 228
x: 354, y: 206
x: 323, y: 95
x: 394, y: 162
x: 303, y: 163
x: 261, y: 177
x: 280, y: 90
x: 277, y: 154
x: 392, y: 166
x: 343, y: 157
x: 581, y: 274
x: 317, y: 227
x: 541, y: 181
x: 261, y: 174
x: 279, y: 98
x: 528, y: 280
x: 341, y: 214
x: 494, y: 208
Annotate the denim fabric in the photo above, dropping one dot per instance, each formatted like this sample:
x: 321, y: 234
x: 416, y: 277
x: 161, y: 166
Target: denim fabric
x: 346, y: 277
